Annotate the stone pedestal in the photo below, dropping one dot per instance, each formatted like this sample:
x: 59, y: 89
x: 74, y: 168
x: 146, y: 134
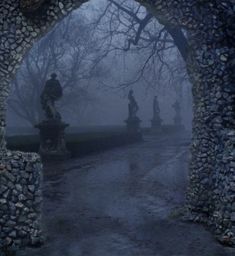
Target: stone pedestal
x: 52, y: 140
x: 133, y: 125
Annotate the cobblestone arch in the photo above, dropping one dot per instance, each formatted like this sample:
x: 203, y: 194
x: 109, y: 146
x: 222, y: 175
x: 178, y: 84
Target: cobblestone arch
x: 210, y: 27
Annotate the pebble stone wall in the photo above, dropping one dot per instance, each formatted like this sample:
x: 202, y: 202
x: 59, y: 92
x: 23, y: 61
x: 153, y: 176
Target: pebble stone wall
x: 20, y: 200
x: 210, y: 27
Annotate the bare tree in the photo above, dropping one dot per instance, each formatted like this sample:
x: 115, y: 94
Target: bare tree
x: 72, y: 51
x: 128, y: 27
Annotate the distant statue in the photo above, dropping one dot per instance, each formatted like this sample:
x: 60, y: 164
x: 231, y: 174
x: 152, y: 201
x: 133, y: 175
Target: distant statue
x: 156, y: 109
x: 133, y: 121
x: 177, y: 118
x: 156, y: 121
x: 133, y: 106
x: 51, y: 93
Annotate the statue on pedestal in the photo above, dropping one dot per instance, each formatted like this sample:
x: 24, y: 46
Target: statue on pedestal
x: 52, y: 130
x: 156, y: 109
x: 156, y: 121
x: 133, y: 106
x: 50, y: 94
x: 133, y: 122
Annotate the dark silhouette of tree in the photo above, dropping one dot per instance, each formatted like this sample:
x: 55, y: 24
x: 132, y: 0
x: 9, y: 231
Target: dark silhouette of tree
x: 127, y: 26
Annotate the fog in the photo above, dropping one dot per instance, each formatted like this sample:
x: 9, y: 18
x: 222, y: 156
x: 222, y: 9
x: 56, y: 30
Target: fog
x: 97, y: 95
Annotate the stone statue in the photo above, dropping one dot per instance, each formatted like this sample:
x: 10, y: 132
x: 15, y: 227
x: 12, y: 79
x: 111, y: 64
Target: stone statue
x: 133, y: 106
x: 133, y: 121
x: 177, y: 118
x: 52, y: 130
x: 51, y: 93
x: 156, y: 109
x: 156, y: 121
x: 52, y: 140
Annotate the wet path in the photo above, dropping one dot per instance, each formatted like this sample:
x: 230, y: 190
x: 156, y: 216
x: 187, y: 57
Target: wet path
x: 123, y: 202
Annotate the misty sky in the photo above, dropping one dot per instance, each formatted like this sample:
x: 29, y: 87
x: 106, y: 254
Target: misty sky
x: 110, y: 106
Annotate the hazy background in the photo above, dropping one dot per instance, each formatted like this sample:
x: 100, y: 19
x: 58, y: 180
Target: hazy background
x: 89, y: 52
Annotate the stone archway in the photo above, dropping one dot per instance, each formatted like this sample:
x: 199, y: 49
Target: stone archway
x: 211, y: 35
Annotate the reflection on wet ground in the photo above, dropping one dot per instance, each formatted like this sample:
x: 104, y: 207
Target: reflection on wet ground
x: 123, y: 202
